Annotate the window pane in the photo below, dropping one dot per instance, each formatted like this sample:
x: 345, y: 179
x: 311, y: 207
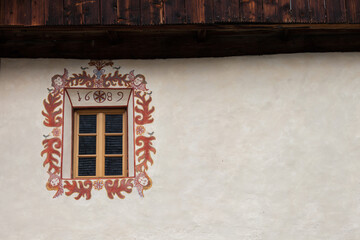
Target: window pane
x: 87, y: 145
x: 113, y: 166
x: 113, y: 123
x: 87, y: 124
x: 113, y: 144
x: 87, y: 166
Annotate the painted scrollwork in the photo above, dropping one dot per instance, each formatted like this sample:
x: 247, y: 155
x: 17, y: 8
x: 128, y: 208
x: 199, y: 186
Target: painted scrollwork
x: 53, y: 113
x: 83, y: 189
x: 117, y: 187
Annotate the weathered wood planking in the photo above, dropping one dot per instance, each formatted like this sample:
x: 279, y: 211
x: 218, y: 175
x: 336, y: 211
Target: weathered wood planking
x: 317, y: 11
x: 10, y: 13
x: 125, y: 12
x: 271, y: 10
x: 54, y: 12
x: 174, y: 11
x: 285, y: 13
x: 226, y: 10
x: 251, y: 10
x: 83, y: 12
x: 129, y: 12
x: 199, y: 11
x: 17, y: 12
x: 335, y: 11
x: 209, y: 11
x: 300, y: 11
x: 90, y: 11
x: 277, y: 11
x: 24, y: 12
x: 353, y: 11
x: 195, y: 11
x: 37, y: 12
x: 109, y: 12
x: 151, y: 12
x: 2, y: 12
x: 72, y: 13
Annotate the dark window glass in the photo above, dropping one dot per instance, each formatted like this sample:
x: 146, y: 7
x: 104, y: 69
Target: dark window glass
x: 87, y: 166
x: 87, y: 124
x: 113, y: 166
x: 87, y: 145
x: 113, y: 144
x: 113, y: 123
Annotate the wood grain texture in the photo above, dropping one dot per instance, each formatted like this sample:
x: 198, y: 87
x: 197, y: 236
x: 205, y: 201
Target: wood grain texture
x: 300, y: 11
x: 336, y: 11
x: 317, y: 11
x: 226, y: 10
x: 10, y: 13
x: 37, y: 12
x: 209, y: 11
x: 17, y: 12
x: 128, y: 12
x: 2, y: 12
x: 285, y: 14
x: 81, y: 12
x: 174, y: 11
x: 72, y: 13
x: 54, y: 12
x: 90, y: 11
x: 251, y: 11
x: 24, y: 12
x: 271, y: 10
x: 353, y: 11
x: 195, y: 11
x: 152, y: 12
x: 109, y: 10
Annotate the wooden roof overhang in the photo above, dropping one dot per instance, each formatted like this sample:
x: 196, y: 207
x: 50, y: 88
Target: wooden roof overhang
x: 176, y: 28
x: 175, y: 41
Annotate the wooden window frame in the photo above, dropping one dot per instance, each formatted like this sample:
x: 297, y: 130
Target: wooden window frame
x: 100, y: 141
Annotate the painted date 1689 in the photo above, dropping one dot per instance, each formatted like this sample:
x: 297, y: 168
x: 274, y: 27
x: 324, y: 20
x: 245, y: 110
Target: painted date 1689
x: 100, y: 96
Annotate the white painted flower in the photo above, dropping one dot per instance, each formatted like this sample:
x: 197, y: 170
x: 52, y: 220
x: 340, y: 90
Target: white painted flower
x: 54, y: 182
x: 143, y: 181
x: 58, y: 81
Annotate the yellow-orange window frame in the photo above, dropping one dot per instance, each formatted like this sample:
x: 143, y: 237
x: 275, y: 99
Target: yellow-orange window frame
x: 100, y: 142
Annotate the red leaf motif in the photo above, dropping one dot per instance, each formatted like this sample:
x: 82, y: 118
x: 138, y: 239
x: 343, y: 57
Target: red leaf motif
x: 144, y: 152
x: 50, y: 146
x: 51, y: 116
x: 113, y: 188
x: 145, y: 112
x: 112, y: 80
x: 81, y: 79
x: 84, y: 189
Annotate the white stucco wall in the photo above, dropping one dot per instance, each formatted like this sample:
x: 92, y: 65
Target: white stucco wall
x: 261, y: 147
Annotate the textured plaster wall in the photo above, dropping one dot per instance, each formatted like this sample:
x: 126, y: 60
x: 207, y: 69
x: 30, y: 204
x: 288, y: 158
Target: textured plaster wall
x: 264, y: 147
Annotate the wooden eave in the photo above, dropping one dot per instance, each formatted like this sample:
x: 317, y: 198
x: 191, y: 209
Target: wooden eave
x: 175, y: 41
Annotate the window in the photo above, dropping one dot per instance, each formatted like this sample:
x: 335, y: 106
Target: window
x: 100, y: 143
x: 82, y: 101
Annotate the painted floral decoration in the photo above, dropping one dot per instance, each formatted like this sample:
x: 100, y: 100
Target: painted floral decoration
x: 137, y: 82
x: 142, y: 182
x: 54, y: 184
x: 98, y: 184
x: 53, y: 113
x: 99, y: 83
x: 140, y: 130
x: 56, y: 132
x: 58, y: 81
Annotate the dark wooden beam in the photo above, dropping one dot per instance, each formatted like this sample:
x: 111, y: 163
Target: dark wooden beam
x: 175, y: 41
